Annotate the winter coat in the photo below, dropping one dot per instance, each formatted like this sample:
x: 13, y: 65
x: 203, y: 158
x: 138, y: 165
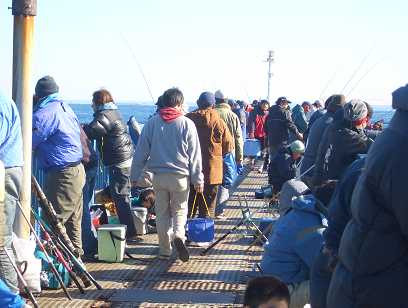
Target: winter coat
x: 295, y: 242
x: 315, y: 137
x: 282, y: 168
x: 56, y: 134
x: 90, y: 157
x: 215, y: 142
x: 299, y: 118
x: 339, y: 206
x: 277, y: 126
x: 373, y: 267
x: 242, y: 116
x: 110, y: 132
x: 320, y: 173
x: 234, y: 126
x: 345, y: 145
x: 256, y: 123
x: 11, y: 142
x: 315, y: 116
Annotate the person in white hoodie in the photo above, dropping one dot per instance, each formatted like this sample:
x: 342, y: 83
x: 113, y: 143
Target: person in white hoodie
x: 170, y: 148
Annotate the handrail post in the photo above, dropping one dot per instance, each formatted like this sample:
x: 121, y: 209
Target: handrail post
x: 24, y: 12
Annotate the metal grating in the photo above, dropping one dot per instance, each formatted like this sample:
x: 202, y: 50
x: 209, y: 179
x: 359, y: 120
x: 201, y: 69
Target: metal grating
x: 215, y: 280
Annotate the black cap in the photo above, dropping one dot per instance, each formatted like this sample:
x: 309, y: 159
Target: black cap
x: 46, y: 86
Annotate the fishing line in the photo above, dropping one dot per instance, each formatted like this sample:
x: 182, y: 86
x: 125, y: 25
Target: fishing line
x: 138, y: 65
x: 362, y: 77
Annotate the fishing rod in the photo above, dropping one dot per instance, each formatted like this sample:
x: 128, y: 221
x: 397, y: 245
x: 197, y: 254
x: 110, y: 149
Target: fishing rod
x: 22, y: 280
x: 139, y: 66
x: 80, y: 268
x: 61, y: 236
x: 357, y: 69
x: 58, y: 254
x: 47, y: 257
x: 327, y: 85
x: 362, y: 77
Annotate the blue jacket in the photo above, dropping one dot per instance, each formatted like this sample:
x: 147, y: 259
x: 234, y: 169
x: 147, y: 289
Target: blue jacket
x: 295, y: 242
x: 56, y: 134
x: 299, y: 118
x: 242, y: 120
x: 11, y: 142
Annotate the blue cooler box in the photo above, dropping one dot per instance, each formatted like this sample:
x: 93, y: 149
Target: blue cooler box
x: 200, y: 230
x: 252, y: 148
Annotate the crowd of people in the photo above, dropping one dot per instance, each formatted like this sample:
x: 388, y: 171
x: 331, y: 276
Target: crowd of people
x: 340, y: 240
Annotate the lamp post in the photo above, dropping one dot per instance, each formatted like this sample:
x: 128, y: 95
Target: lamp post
x: 270, y: 60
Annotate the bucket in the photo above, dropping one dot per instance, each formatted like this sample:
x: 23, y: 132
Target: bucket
x: 252, y: 148
x: 111, y: 242
x: 139, y: 219
x: 200, y: 230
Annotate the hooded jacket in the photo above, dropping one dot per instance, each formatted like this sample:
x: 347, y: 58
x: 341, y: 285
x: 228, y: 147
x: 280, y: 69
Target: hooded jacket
x: 277, y: 126
x: 373, y: 267
x: 346, y: 142
x: 56, y: 134
x: 295, y: 241
x: 234, y: 126
x: 299, y: 118
x: 110, y: 133
x: 215, y: 142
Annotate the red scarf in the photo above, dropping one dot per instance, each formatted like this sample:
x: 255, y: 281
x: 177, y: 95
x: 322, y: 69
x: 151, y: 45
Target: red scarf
x: 169, y: 114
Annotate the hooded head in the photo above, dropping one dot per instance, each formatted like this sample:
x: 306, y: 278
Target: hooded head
x: 400, y: 98
x: 206, y: 100
x: 45, y: 86
x: 335, y: 102
x: 297, y: 148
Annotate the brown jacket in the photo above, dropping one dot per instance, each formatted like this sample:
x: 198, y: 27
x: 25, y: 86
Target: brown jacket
x: 215, y: 141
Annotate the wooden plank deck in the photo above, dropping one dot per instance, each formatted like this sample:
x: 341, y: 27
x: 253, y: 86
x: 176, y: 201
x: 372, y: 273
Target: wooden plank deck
x: 215, y: 280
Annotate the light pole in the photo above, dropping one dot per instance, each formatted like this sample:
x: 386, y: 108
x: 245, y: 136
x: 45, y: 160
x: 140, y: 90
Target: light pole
x: 24, y: 12
x: 270, y: 61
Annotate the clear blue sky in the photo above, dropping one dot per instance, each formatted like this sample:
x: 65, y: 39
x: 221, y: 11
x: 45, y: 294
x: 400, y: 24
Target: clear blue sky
x: 207, y: 44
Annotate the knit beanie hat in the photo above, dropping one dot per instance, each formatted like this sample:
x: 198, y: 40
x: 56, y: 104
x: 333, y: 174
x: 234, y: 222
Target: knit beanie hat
x: 206, y: 99
x: 46, y: 86
x: 219, y: 97
x: 400, y: 98
x: 355, y: 110
x: 297, y: 147
x: 335, y: 102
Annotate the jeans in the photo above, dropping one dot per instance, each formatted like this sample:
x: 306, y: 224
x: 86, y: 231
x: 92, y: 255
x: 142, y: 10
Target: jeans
x: 89, y: 242
x: 64, y: 189
x: 222, y: 198
x: 320, y: 277
x: 299, y: 294
x: 119, y: 186
x: 172, y: 192
x: 13, y: 183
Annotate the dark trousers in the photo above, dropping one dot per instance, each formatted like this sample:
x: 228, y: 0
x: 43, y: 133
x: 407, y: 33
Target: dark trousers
x: 320, y: 277
x: 119, y: 186
x: 264, y: 153
x: 89, y: 242
x: 210, y: 194
x: 64, y: 190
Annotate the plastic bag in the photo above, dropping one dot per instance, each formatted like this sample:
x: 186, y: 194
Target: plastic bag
x: 29, y: 264
x: 230, y: 170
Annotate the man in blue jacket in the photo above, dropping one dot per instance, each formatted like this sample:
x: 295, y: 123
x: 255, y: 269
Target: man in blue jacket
x: 57, y: 147
x: 11, y: 154
x: 295, y: 242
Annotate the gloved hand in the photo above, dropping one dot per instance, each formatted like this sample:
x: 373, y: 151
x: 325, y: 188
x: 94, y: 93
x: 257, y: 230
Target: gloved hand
x: 240, y: 168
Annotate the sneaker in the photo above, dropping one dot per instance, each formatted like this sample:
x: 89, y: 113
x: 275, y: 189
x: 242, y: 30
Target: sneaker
x: 181, y: 249
x: 203, y: 244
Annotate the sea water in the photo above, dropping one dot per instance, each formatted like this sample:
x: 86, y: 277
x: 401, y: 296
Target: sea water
x: 142, y: 112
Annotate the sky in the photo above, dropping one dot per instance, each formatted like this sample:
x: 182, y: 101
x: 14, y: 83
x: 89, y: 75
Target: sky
x: 205, y: 45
